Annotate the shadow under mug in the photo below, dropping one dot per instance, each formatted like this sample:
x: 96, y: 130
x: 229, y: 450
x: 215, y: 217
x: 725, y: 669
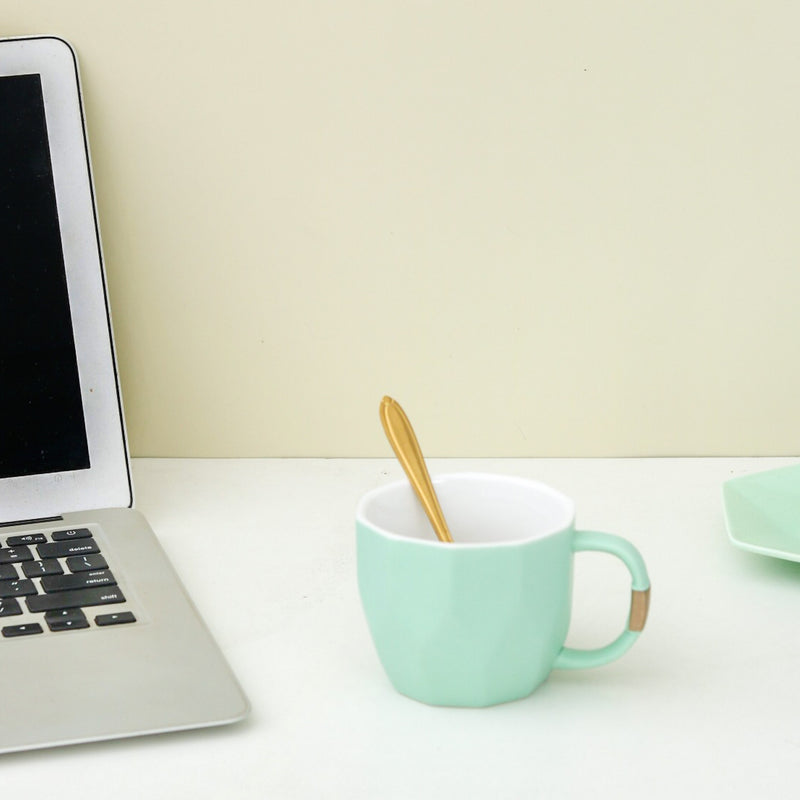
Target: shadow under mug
x: 482, y: 620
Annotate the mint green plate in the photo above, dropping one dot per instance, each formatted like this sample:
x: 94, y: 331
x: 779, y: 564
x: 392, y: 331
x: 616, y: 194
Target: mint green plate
x: 762, y: 512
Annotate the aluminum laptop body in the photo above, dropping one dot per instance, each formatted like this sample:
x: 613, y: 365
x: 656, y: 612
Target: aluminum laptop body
x: 99, y: 638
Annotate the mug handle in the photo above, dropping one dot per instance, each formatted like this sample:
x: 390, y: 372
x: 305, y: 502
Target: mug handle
x: 570, y: 658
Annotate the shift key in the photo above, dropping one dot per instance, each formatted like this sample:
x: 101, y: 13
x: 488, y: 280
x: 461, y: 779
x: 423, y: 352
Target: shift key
x: 78, y: 598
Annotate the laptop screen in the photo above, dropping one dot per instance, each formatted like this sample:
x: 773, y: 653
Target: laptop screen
x: 41, y: 413
x: 62, y: 435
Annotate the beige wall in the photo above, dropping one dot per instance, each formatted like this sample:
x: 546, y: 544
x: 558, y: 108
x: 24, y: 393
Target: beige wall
x: 547, y: 228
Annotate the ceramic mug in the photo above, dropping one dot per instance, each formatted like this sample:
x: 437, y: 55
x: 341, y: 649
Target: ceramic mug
x: 482, y: 620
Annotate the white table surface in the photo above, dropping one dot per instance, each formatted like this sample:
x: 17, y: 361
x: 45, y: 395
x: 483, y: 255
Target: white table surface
x: 706, y: 704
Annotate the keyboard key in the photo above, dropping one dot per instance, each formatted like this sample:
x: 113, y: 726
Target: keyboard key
x: 8, y: 572
x: 22, y: 630
x: 64, y: 549
x: 66, y: 620
x: 82, y: 580
x: 26, y: 538
x: 82, y: 563
x: 9, y: 555
x: 9, y: 607
x: 120, y: 618
x: 98, y: 596
x: 17, y: 588
x: 72, y: 533
x: 36, y: 569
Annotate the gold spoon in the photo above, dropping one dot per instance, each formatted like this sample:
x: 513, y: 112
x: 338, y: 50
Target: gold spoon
x: 406, y: 447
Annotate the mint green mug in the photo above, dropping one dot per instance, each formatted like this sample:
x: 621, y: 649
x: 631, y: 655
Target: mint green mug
x: 482, y: 620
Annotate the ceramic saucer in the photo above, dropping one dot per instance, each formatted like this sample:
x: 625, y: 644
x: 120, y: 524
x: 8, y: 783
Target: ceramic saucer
x: 762, y: 512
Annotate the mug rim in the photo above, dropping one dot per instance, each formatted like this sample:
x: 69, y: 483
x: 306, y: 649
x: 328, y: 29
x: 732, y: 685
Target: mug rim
x: 468, y: 475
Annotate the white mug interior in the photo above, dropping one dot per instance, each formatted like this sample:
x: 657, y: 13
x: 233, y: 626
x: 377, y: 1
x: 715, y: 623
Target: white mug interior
x: 481, y: 509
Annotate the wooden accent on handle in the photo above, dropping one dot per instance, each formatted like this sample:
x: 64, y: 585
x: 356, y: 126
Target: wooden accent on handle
x: 640, y: 605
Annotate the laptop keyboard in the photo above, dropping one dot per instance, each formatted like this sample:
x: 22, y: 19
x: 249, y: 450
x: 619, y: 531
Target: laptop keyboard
x: 57, y: 581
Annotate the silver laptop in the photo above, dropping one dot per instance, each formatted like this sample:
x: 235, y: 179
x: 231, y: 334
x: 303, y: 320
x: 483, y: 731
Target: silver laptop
x: 98, y: 637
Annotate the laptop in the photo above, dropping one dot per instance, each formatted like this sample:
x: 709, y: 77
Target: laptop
x: 98, y: 638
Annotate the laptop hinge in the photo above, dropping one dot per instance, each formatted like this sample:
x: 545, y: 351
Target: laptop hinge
x: 30, y: 521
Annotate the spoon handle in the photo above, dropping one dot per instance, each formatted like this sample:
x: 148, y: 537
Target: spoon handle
x: 406, y: 447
